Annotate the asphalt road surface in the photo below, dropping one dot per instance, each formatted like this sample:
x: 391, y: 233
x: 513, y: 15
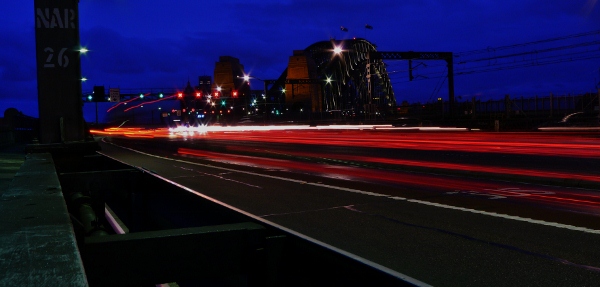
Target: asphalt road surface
x: 446, y: 215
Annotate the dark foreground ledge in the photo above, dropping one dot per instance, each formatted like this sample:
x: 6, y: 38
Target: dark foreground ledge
x: 37, y: 242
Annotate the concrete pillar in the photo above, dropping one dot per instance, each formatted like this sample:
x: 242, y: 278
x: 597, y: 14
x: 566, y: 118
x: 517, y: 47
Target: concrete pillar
x: 58, y: 71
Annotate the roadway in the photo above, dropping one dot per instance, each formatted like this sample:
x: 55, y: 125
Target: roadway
x: 446, y: 208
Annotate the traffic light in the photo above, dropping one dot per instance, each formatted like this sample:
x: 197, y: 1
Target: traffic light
x: 198, y: 94
x: 235, y: 94
x: 180, y: 95
x: 99, y: 95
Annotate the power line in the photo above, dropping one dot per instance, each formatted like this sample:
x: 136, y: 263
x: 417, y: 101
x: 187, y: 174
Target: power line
x: 514, y: 57
x: 487, y: 50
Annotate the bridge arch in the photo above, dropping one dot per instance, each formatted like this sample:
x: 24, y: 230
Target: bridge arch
x: 348, y: 81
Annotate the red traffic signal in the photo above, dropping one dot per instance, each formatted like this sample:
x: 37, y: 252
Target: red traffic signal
x: 235, y: 94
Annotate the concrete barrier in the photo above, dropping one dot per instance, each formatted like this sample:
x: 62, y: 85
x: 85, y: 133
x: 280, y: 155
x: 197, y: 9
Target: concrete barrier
x: 37, y: 242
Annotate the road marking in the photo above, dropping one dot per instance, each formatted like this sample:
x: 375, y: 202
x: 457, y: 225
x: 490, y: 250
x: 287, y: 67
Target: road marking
x: 219, y: 176
x: 428, y: 203
x: 506, y: 216
x: 349, y: 189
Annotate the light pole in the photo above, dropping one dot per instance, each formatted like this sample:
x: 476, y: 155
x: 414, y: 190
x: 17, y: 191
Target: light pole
x: 264, y: 95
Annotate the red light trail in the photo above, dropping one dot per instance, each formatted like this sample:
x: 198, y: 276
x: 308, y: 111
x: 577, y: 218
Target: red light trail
x: 538, y: 144
x: 136, y: 106
x: 379, y: 137
x: 146, y: 103
x: 584, y: 200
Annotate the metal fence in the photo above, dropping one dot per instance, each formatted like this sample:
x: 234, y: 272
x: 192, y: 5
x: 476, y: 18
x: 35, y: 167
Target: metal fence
x: 548, y: 106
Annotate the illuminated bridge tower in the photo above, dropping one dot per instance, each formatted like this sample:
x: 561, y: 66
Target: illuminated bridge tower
x: 298, y: 94
x: 343, y: 79
x: 229, y: 86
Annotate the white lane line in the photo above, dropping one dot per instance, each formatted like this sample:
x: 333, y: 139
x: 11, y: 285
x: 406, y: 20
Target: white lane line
x: 511, y: 217
x: 348, y: 189
x: 493, y: 214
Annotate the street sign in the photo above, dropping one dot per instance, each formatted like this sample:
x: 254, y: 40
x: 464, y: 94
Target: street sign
x: 114, y: 94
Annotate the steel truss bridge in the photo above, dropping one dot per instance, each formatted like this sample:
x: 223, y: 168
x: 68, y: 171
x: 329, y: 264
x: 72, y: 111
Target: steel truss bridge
x: 353, y: 76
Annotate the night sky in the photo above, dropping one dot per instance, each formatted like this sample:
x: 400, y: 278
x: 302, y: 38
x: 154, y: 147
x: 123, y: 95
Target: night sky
x: 516, y: 47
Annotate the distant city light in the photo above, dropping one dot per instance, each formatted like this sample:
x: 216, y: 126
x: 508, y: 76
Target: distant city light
x: 337, y: 50
x: 83, y: 50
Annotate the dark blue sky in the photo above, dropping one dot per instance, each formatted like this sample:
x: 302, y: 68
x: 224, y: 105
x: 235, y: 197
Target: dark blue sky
x: 162, y: 44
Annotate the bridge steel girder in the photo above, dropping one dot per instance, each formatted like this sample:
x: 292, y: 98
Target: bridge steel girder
x: 295, y: 81
x: 411, y: 55
x: 350, y: 74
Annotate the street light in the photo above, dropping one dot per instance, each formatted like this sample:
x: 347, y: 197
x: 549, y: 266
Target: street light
x: 218, y: 92
x: 337, y: 50
x: 247, y: 79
